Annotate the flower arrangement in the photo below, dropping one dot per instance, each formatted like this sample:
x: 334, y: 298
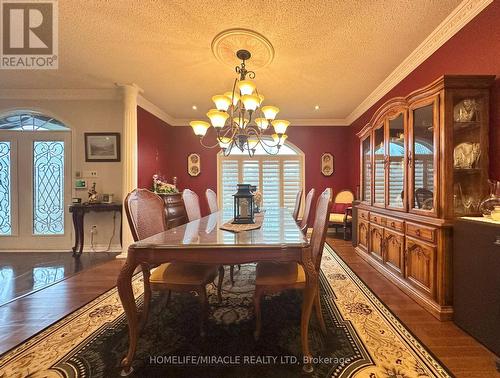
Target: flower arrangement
x: 163, y: 187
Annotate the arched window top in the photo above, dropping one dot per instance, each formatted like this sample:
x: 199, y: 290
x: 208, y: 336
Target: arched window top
x: 26, y: 120
x: 285, y: 149
x: 397, y: 149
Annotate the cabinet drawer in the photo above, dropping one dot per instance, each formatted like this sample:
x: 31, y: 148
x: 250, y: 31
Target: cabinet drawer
x: 395, y: 224
x: 422, y: 232
x: 377, y: 218
x: 363, y: 214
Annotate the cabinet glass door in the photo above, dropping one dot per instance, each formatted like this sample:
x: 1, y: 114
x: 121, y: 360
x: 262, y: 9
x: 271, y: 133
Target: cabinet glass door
x: 366, y: 194
x: 423, y: 148
x: 397, y: 166
x: 379, y: 165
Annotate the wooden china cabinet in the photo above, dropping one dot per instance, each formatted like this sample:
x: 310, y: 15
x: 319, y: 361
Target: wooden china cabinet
x: 424, y: 162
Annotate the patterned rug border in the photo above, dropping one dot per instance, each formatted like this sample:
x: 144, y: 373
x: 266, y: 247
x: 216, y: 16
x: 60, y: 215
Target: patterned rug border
x: 60, y: 322
x: 391, y: 317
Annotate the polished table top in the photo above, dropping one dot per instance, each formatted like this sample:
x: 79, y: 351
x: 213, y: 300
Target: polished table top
x: 278, y: 230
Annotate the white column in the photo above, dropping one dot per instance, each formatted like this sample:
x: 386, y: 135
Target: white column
x: 129, y: 155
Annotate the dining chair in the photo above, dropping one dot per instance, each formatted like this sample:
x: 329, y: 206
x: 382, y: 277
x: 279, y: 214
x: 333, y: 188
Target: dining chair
x: 304, y: 223
x: 192, y: 204
x: 272, y: 277
x: 146, y: 217
x: 212, y: 200
x: 214, y: 207
x: 341, y: 213
x: 296, y: 209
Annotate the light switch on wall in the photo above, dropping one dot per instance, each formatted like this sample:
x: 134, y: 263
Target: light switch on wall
x: 89, y: 173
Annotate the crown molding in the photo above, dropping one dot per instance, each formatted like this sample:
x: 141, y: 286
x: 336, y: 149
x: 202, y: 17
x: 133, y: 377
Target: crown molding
x: 156, y: 111
x: 319, y: 122
x: 60, y: 94
x: 456, y: 20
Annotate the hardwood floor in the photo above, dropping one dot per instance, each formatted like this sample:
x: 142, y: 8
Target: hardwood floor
x: 22, y: 273
x: 463, y: 355
x: 28, y: 315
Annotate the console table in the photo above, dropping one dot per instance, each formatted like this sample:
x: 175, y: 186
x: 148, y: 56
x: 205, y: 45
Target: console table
x: 78, y: 210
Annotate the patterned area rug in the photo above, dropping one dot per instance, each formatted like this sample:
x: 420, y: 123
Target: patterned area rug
x: 364, y: 338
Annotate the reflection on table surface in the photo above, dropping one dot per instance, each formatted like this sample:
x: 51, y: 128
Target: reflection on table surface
x: 278, y: 228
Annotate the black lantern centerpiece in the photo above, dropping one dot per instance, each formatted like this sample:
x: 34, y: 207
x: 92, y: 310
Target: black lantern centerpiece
x: 243, y: 205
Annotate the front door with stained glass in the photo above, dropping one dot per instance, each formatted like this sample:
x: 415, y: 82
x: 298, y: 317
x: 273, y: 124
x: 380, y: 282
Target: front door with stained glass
x: 34, y: 182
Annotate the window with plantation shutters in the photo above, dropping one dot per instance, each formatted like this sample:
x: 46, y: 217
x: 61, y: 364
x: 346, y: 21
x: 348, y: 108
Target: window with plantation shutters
x: 277, y: 177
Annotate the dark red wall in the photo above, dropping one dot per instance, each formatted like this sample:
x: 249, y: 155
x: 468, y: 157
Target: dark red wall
x: 312, y: 140
x: 152, y: 144
x: 473, y: 50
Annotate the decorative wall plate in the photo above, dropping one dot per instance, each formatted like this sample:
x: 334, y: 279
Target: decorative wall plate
x: 194, y: 165
x: 327, y: 164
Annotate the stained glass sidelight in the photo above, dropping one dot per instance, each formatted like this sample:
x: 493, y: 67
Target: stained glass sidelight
x: 5, y: 200
x: 48, y: 187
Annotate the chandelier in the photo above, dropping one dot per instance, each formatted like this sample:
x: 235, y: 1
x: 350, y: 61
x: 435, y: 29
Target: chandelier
x: 240, y: 120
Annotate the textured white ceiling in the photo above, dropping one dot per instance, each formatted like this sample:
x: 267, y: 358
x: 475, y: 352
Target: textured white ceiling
x: 331, y: 53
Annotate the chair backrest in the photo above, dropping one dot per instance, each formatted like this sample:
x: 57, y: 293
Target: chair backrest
x: 192, y: 204
x: 422, y: 195
x: 320, y: 226
x: 298, y: 201
x: 145, y: 213
x: 344, y: 196
x: 342, y: 201
x: 307, y: 211
x: 212, y: 200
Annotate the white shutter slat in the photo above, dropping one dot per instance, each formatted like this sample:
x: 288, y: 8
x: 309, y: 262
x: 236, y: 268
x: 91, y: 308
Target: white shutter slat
x: 291, y: 182
x: 271, y: 183
x: 229, y: 180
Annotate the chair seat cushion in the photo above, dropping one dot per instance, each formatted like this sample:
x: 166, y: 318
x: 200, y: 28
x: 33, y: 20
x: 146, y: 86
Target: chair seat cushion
x: 271, y: 273
x: 338, y: 218
x: 183, y: 274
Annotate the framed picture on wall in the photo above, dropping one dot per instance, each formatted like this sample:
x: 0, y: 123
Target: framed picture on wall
x: 194, y: 165
x: 327, y: 164
x: 102, y: 147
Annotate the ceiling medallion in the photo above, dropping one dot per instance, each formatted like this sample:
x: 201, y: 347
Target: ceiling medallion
x: 228, y: 42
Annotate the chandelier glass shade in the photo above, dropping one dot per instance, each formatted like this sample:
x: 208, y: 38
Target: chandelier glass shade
x: 240, y: 120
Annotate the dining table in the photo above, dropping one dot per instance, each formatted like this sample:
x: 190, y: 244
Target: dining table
x: 201, y: 241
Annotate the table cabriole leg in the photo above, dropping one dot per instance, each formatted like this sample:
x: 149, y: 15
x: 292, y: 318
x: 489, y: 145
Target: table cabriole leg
x: 124, y: 285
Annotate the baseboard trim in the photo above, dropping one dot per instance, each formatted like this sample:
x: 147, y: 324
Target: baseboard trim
x: 99, y: 248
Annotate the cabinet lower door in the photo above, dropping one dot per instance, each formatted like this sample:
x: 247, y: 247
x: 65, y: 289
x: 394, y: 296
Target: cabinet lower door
x: 376, y: 241
x: 394, y: 251
x: 420, y: 265
x: 363, y: 235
